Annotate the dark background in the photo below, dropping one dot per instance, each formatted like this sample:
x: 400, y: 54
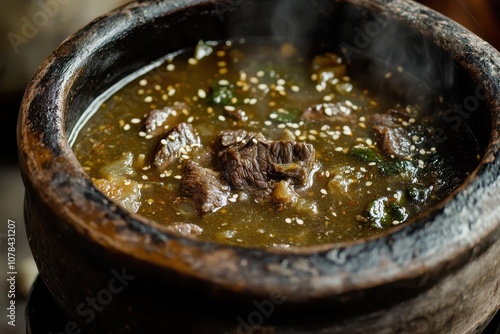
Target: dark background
x: 16, y: 68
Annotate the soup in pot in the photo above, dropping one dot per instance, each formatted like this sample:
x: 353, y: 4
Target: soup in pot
x: 263, y: 144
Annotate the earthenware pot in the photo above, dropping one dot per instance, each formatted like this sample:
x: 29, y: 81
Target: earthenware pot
x: 116, y: 272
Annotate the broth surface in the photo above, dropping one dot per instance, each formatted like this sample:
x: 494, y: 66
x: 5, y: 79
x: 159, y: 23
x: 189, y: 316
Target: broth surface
x: 380, y: 158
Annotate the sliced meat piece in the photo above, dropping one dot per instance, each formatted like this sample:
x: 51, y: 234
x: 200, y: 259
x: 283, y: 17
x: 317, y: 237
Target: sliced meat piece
x: 394, y: 138
x: 383, y: 120
x: 394, y: 141
x: 178, y: 141
x: 159, y: 121
x: 329, y: 112
x: 205, y: 187
x: 249, y: 160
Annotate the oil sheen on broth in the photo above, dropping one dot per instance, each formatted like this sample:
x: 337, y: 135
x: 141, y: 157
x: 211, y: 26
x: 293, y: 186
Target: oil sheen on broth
x: 260, y: 144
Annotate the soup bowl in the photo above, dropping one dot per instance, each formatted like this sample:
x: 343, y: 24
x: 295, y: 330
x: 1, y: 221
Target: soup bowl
x: 113, y: 271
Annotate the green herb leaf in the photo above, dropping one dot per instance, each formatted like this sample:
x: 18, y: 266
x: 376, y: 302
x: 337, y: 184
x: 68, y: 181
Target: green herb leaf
x: 366, y: 154
x: 222, y: 95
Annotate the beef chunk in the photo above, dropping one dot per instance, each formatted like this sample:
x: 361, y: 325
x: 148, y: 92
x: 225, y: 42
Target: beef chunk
x: 160, y: 120
x: 249, y: 160
x: 384, y: 120
x: 394, y: 138
x: 204, y: 185
x: 329, y: 112
x: 394, y: 141
x: 178, y: 141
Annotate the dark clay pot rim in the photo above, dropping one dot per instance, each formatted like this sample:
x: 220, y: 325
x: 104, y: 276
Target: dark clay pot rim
x: 454, y: 232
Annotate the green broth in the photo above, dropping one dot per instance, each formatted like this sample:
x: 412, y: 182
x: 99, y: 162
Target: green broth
x: 357, y: 189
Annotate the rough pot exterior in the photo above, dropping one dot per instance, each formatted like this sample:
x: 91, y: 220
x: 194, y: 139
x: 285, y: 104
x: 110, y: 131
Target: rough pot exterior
x: 438, y: 274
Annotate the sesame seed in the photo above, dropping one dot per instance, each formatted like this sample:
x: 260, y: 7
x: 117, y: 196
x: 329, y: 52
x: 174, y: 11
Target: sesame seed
x: 202, y: 94
x: 288, y: 221
x: 221, y: 118
x: 126, y: 127
x: 142, y: 134
x: 254, y: 80
x: 190, y: 119
x: 347, y: 130
x: 396, y: 222
x: 222, y: 64
x: 262, y: 86
x: 368, y: 183
x: 422, y: 151
x: 223, y: 70
x: 223, y: 82
x: 170, y: 67
x: 149, y: 136
x: 320, y: 88
x: 339, y: 149
x: 323, y: 191
x: 273, y: 116
x: 148, y: 99
x: 369, y: 141
x: 135, y: 121
x: 143, y: 82
x: 221, y: 53
x: 144, y: 177
x: 192, y: 61
x: 388, y: 75
x: 300, y: 221
x: 400, y: 69
x: 178, y: 177
x: 185, y: 157
x: 268, y: 123
x: 164, y: 97
x: 327, y: 98
x: 171, y: 92
x: 372, y: 164
x: 260, y: 74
